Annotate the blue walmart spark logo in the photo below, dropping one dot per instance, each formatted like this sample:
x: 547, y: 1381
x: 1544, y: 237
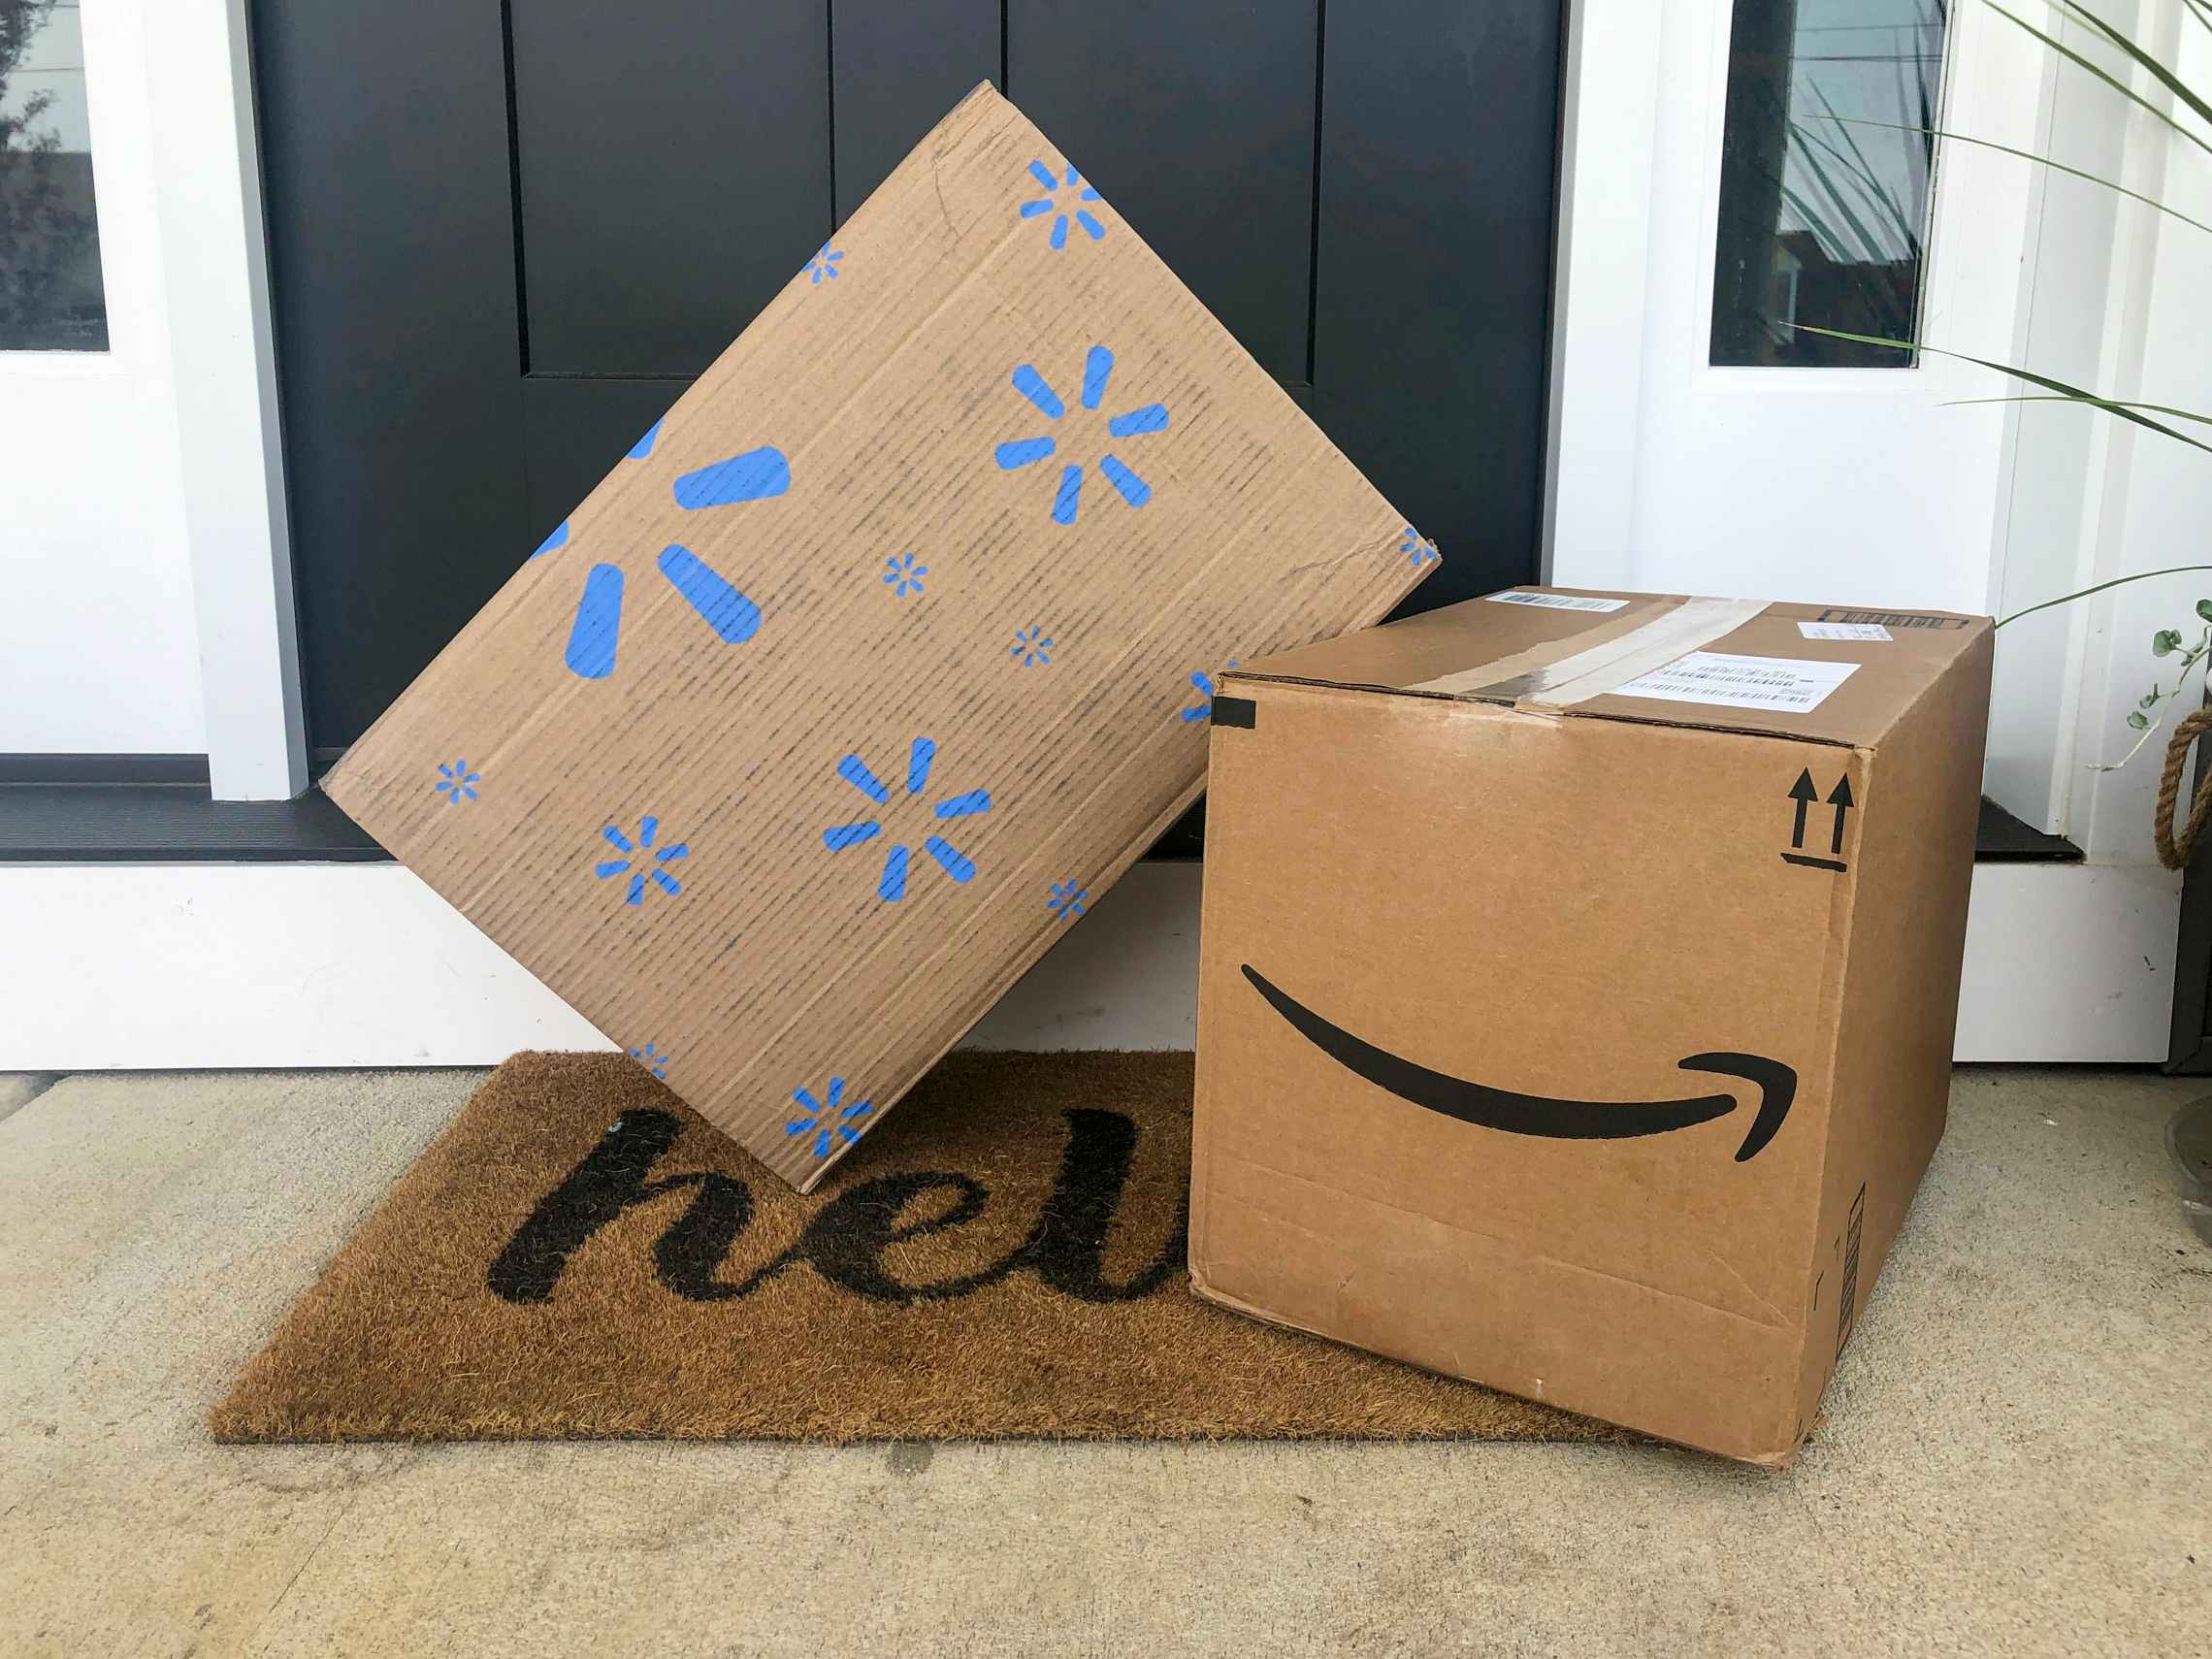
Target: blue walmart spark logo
x: 1066, y: 901
x: 828, y: 1121
x: 758, y: 475
x: 1033, y: 647
x: 1049, y: 202
x: 891, y: 887
x: 1417, y: 548
x: 823, y: 264
x: 654, y: 1060
x: 457, y: 783
x: 1097, y: 368
x: 1203, y: 683
x: 903, y: 576
x: 638, y: 864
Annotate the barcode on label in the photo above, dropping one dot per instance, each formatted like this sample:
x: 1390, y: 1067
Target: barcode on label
x: 1791, y: 685
x: 1844, y: 631
x: 1558, y: 602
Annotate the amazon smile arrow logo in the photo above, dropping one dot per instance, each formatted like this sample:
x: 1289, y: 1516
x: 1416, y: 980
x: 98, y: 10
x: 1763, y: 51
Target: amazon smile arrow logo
x: 1517, y: 1114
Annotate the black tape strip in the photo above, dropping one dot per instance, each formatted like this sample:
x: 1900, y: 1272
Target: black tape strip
x: 1237, y: 712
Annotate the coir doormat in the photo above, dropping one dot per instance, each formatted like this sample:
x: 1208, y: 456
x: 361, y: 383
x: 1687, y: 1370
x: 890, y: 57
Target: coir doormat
x: 579, y: 1255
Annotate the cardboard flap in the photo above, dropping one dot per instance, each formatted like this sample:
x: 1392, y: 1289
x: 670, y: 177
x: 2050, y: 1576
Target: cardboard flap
x: 1827, y: 674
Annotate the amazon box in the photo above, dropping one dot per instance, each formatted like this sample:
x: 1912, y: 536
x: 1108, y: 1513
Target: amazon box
x: 1578, y: 973
x: 873, y: 663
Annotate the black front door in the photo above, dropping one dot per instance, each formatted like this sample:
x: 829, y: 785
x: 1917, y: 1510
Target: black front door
x: 505, y: 236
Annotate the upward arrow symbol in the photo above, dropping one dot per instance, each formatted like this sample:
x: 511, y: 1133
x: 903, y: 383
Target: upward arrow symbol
x: 1804, y: 793
x: 1839, y: 798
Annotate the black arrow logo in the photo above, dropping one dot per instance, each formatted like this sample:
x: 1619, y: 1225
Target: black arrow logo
x: 1518, y: 1114
x: 1804, y: 792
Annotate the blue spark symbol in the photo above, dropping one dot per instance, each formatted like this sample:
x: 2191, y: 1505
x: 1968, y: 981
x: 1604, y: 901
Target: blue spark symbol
x: 1203, y: 709
x: 828, y: 1120
x: 648, y: 828
x: 654, y: 1060
x: 1031, y: 646
x: 891, y: 886
x: 758, y: 475
x: 1049, y: 203
x: 902, y: 573
x: 824, y: 264
x: 456, y: 782
x: 1067, y: 900
x: 1417, y: 548
x: 1098, y: 368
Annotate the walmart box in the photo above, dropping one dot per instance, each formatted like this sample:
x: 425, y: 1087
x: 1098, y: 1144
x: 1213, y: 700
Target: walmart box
x: 880, y: 657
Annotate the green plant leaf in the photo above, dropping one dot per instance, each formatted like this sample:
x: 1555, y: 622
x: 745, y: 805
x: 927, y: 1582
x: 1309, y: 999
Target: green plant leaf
x: 2075, y: 393
x: 2165, y: 642
x: 2167, y: 77
x: 2150, y: 698
x: 2100, y: 587
x: 2138, y: 721
x: 2118, y: 86
x: 2205, y: 608
x: 2062, y: 398
x: 1950, y: 136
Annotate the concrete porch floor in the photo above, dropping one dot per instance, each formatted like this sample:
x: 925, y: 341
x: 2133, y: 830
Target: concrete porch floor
x: 2014, y: 1460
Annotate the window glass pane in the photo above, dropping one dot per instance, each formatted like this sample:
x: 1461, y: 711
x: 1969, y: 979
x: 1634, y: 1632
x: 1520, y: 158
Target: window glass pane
x: 1824, y: 179
x: 50, y: 294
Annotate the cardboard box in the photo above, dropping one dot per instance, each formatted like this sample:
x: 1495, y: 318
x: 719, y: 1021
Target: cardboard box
x: 878, y: 659
x: 1578, y: 984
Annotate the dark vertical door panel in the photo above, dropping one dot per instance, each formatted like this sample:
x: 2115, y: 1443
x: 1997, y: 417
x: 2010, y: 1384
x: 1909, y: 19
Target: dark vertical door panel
x: 392, y: 268
x: 674, y: 165
x: 1432, y: 292
x: 897, y: 66
x: 1196, y: 119
x: 575, y: 431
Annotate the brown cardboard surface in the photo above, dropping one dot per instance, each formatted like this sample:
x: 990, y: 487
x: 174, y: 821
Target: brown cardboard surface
x: 941, y: 555
x: 1457, y: 948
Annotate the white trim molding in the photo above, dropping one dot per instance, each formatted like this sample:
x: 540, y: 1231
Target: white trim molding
x: 129, y: 966
x: 1608, y: 111
x: 221, y: 340
x: 135, y: 966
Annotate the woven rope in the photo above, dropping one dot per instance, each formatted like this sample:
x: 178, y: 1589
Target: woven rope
x: 2174, y: 851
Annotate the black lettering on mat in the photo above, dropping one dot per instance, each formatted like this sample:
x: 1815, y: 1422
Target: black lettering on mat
x: 846, y: 1240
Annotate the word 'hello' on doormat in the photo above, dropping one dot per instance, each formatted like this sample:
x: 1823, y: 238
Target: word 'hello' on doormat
x: 581, y: 1256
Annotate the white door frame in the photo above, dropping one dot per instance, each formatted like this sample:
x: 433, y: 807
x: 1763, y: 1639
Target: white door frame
x: 206, y: 159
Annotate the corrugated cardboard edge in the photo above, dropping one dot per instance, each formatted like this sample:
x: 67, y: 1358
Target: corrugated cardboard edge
x: 1777, y: 1460
x: 1977, y: 656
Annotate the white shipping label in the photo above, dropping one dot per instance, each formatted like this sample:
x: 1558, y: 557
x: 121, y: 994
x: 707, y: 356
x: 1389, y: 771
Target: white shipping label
x: 1558, y: 602
x: 1791, y: 685
x: 1844, y: 630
